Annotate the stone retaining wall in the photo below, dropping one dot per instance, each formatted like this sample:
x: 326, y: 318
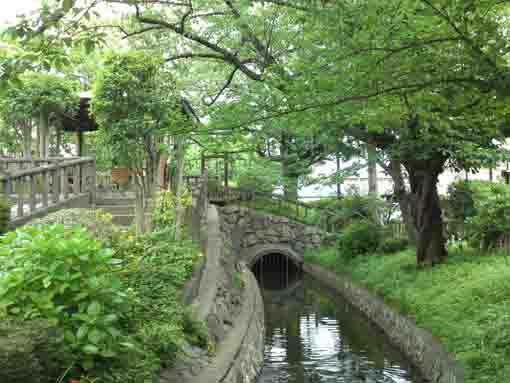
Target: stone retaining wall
x: 423, y: 349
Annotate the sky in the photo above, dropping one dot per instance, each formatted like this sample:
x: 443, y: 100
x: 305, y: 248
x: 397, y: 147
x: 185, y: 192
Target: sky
x: 10, y: 8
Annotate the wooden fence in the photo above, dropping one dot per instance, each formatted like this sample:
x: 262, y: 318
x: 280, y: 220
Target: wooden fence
x: 47, y: 184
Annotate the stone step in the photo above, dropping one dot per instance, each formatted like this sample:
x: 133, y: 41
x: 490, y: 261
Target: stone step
x: 118, y: 209
x: 123, y: 220
x: 115, y: 201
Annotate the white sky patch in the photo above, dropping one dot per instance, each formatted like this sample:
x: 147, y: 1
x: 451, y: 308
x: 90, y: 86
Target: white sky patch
x: 9, y: 9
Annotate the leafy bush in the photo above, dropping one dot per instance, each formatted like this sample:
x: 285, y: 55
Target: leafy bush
x: 97, y: 222
x: 461, y: 202
x: 64, y: 277
x: 163, y: 215
x: 156, y: 269
x: 29, y: 352
x: 484, y: 208
x: 5, y: 214
x: 349, y: 209
x: 491, y: 221
x: 393, y: 245
x: 361, y: 237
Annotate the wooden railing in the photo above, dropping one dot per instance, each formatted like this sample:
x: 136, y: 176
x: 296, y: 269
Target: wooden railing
x: 12, y: 165
x: 35, y: 190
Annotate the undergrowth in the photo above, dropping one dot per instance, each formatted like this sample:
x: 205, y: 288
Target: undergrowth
x: 464, y: 302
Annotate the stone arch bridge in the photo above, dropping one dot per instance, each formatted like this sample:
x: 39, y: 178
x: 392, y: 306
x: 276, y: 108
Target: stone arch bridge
x: 253, y: 234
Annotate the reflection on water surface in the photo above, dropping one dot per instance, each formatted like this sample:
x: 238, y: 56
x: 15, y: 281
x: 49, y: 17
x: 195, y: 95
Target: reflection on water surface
x: 313, y: 335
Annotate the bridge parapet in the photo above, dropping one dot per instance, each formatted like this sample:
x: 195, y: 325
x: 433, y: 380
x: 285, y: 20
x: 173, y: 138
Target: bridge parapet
x: 248, y: 229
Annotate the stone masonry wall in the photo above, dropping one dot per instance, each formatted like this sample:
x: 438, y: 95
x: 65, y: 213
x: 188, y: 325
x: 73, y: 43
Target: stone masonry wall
x: 248, y: 228
x: 233, y: 312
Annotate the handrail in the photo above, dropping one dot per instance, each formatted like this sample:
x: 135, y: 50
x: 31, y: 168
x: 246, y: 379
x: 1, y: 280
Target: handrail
x: 39, y: 169
x: 36, y: 190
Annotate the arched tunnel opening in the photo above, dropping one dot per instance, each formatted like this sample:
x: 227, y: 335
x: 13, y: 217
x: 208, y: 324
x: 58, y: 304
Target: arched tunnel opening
x: 275, y: 271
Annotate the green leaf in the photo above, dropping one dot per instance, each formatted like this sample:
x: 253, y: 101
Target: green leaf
x: 82, y: 331
x: 67, y: 5
x: 91, y: 349
x: 95, y: 336
x: 94, y: 308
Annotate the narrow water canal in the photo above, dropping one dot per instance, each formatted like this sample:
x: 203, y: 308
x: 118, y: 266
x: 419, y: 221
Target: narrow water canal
x: 313, y: 335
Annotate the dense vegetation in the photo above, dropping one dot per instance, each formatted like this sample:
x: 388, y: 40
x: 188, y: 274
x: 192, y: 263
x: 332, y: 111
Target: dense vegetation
x: 113, y: 298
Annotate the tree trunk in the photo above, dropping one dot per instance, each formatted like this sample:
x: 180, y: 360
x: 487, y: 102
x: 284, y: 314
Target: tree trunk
x: 403, y: 198
x: 43, y: 134
x: 162, y: 171
x: 431, y: 243
x: 372, y: 169
x: 58, y: 143
x: 179, y: 212
x: 27, y: 140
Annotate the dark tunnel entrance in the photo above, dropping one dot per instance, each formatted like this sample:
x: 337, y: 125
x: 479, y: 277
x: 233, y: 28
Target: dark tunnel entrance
x: 276, y: 271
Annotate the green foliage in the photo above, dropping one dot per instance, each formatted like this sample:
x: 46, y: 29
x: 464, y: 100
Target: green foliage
x: 136, y: 102
x: 163, y: 215
x: 492, y: 219
x: 65, y: 277
x: 237, y: 280
x: 198, y: 333
x: 460, y: 203
x: 97, y: 222
x: 464, y: 302
x: 155, y: 271
x: 39, y: 92
x: 393, y: 245
x: 5, y: 214
x: 483, y: 208
x: 358, y: 238
x: 30, y: 352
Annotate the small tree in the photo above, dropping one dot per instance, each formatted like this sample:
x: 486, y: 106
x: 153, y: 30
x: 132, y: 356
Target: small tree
x: 38, y: 97
x: 136, y: 104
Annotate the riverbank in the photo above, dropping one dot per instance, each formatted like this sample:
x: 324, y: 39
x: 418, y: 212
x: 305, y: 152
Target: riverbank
x: 464, y: 303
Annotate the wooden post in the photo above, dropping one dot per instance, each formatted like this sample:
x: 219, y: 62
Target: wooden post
x: 45, y: 188
x: 20, y: 196
x: 64, y: 182
x: 76, y: 180
x: 32, y: 201
x: 56, y: 186
x: 93, y: 182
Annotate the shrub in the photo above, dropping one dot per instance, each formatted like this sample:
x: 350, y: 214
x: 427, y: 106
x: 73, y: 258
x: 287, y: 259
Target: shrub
x: 97, y: 222
x: 65, y: 277
x: 5, y: 214
x: 491, y: 221
x: 393, y: 245
x: 460, y: 203
x: 484, y: 208
x: 163, y: 215
x: 29, y: 352
x: 361, y: 237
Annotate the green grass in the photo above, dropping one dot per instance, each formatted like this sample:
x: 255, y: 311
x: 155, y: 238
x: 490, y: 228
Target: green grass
x: 464, y: 302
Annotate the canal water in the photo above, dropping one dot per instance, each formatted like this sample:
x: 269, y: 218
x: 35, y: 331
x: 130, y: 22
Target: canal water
x: 314, y: 335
